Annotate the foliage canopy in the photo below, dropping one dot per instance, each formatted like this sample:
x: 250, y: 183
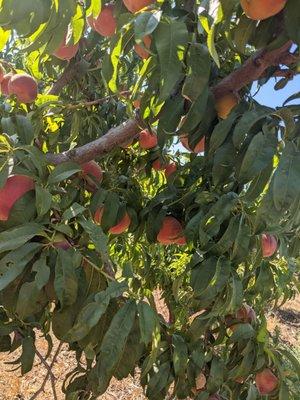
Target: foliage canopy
x: 217, y: 233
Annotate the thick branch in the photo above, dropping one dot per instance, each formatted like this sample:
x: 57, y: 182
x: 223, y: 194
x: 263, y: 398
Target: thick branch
x: 122, y: 134
x: 71, y: 73
x: 250, y: 71
x: 253, y: 69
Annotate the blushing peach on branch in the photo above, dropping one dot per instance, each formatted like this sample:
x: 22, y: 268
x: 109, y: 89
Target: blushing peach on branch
x: 117, y: 229
x: 262, y: 9
x: 137, y: 5
x: 24, y: 87
x: 171, y: 232
x: 105, y: 24
x: 15, y: 187
x: 266, y: 381
x: 66, y: 51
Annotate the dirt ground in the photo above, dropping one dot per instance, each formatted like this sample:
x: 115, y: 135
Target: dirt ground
x: 15, y: 387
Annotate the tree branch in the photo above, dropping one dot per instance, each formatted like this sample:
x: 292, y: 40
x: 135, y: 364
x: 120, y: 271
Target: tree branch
x: 113, y: 138
x: 253, y: 69
x: 72, y: 72
x: 250, y: 71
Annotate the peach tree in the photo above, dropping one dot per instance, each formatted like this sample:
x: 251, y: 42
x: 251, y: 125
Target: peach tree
x: 136, y: 167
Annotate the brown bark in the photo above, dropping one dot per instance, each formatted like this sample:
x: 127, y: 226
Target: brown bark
x: 254, y: 68
x: 99, y: 147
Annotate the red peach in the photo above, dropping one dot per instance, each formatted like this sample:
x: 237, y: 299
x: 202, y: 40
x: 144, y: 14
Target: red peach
x: 141, y: 51
x: 147, y: 140
x: 137, y: 5
x: 15, y: 187
x: 268, y: 244
x: 171, y: 232
x: 117, y: 229
x: 5, y: 82
x: 66, y: 52
x: 266, y: 382
x: 105, y: 24
x: 24, y: 87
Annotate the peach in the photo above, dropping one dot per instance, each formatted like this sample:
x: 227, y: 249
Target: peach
x: 171, y: 232
x: 24, y: 87
x: 66, y: 52
x: 15, y: 187
x: 170, y: 169
x: 147, y: 140
x: 225, y: 104
x: 93, y: 169
x: 199, y: 148
x: 262, y: 9
x: 268, y: 244
x: 121, y: 226
x: 142, y: 51
x: 157, y: 165
x: 266, y: 382
x: 60, y: 242
x: 246, y: 314
x: 4, y: 84
x: 200, y: 381
x: 137, y: 5
x: 105, y: 24
x: 136, y: 103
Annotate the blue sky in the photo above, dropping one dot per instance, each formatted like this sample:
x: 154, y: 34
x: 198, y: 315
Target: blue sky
x: 274, y: 98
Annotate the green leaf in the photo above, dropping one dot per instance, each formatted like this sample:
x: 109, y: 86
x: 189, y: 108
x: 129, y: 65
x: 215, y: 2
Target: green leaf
x: 73, y: 211
x: 63, y: 172
x: 258, y: 156
x: 113, y: 344
x: 221, y: 132
x: 216, y: 375
x: 148, y: 321
x: 16, y: 237
x: 94, y: 8
x: 198, y: 63
x: 252, y: 393
x: 42, y: 272
x: 145, y: 23
x: 258, y: 184
x: 170, y: 39
x: 28, y: 354
x: 224, y: 160
x: 248, y: 120
x: 65, y: 282
x: 292, y: 359
x: 43, y: 200
x: 286, y: 177
x: 292, y: 20
x: 180, y: 355
x: 203, y: 274
x: 30, y: 300
x: 242, y: 332
x: 4, y: 36
x: 196, y: 112
x: 90, y: 314
x: 14, y: 263
x: 159, y: 382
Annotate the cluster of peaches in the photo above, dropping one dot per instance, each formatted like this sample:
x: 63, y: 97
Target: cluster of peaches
x: 171, y: 231
x: 266, y: 381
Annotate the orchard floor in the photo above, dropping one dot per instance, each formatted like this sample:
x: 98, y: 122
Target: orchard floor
x: 15, y: 387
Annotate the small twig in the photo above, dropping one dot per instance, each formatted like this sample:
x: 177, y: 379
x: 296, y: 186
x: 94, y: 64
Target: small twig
x: 48, y: 375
